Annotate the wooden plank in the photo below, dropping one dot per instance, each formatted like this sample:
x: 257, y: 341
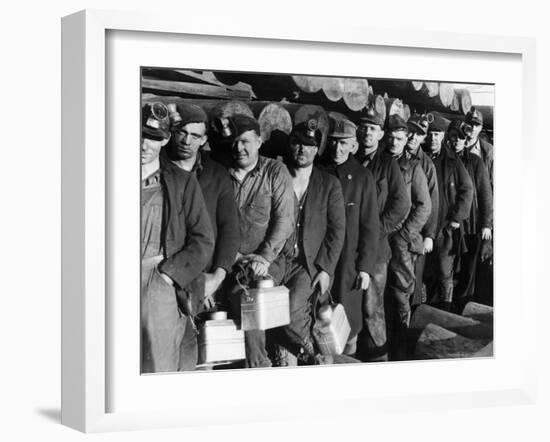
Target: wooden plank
x: 210, y: 78
x: 186, y: 88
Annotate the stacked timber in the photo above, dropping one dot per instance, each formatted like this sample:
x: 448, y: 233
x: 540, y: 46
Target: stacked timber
x: 438, y: 334
x: 185, y: 83
x: 436, y: 342
x: 356, y: 93
x: 394, y: 106
x: 308, y: 84
x: 426, y: 314
x: 464, y: 100
x: 479, y: 312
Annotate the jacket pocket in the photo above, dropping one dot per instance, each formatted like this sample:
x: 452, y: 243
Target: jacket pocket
x: 259, y: 210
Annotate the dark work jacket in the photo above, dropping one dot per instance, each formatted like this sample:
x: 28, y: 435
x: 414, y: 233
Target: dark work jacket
x: 430, y: 228
x: 421, y: 204
x: 324, y: 224
x: 487, y: 157
x: 393, y: 199
x: 455, y: 188
x: 187, y: 232
x: 362, y: 236
x: 215, y: 184
x: 481, y: 212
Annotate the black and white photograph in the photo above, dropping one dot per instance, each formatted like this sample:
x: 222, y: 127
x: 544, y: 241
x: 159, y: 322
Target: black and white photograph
x: 291, y: 220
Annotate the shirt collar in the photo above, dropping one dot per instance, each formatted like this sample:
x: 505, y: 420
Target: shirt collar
x: 152, y: 179
x: 198, y: 166
x: 258, y: 168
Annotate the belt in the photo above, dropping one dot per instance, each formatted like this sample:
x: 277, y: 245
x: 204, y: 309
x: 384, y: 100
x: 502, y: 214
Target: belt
x: 151, y: 261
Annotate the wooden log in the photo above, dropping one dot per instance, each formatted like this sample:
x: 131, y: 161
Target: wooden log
x: 274, y: 117
x: 194, y: 89
x: 417, y: 85
x: 308, y: 84
x: 406, y: 112
x: 486, y: 351
x: 345, y: 359
x: 337, y: 116
x: 356, y: 93
x: 471, y: 328
x: 333, y: 87
x: 464, y: 100
x: 446, y: 93
x: 455, y: 103
x: 275, y: 126
x: 380, y: 104
x: 228, y: 108
x: 299, y: 113
x: 479, y: 312
x: 394, y: 106
x: 196, y: 76
x: 436, y: 342
x: 432, y: 88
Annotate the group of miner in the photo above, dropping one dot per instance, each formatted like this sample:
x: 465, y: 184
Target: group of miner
x: 390, y: 215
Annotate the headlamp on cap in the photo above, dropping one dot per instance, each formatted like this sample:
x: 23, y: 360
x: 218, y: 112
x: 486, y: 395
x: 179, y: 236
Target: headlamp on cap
x: 311, y: 128
x: 420, y: 123
x: 461, y: 128
x: 224, y: 127
x: 155, y: 123
x: 175, y: 117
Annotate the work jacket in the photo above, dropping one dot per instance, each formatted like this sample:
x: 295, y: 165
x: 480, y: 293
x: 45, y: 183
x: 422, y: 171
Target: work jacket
x: 393, y: 199
x: 215, y: 184
x: 416, y: 186
x: 481, y: 210
x: 455, y: 188
x: 430, y: 228
x: 187, y: 234
x: 362, y: 236
x: 486, y: 154
x: 322, y: 226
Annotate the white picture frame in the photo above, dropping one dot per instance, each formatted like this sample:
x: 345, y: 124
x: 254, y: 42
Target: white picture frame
x: 86, y: 351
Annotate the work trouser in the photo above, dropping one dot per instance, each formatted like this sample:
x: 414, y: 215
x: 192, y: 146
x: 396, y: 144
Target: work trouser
x: 372, y: 340
x: 468, y: 271
x: 401, y: 284
x: 401, y: 277
x: 163, y: 326
x: 293, y: 340
x: 442, y: 260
